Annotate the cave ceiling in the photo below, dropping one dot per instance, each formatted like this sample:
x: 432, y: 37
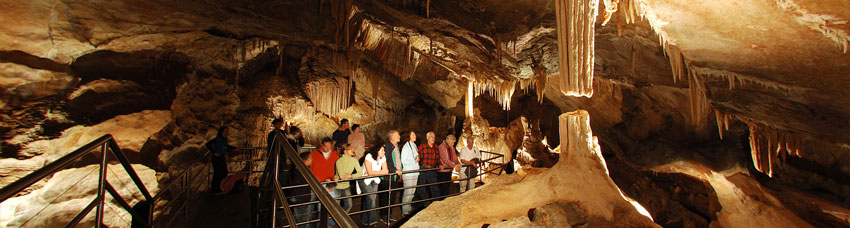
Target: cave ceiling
x: 786, y: 59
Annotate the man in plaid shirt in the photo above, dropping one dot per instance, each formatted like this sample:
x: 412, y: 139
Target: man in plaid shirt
x: 429, y: 158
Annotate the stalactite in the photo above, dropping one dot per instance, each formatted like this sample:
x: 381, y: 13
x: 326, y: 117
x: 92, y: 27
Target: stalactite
x: 736, y: 80
x: 330, y: 95
x: 722, y: 122
x: 575, y: 24
x: 397, y: 57
x: 677, y: 62
x: 699, y: 99
x: 540, y: 78
x: 469, y: 98
x: 610, y: 8
x: 427, y: 8
x: 280, y: 53
x: 502, y: 91
x: 769, y: 146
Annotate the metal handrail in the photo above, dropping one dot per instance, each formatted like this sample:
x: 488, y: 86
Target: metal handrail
x: 391, y: 189
x: 107, y: 146
x: 21, y: 184
x: 106, y: 143
x: 329, y: 203
x: 184, y: 179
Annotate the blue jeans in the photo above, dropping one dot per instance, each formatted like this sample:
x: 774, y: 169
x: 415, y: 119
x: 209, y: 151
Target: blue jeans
x: 303, y: 213
x: 368, y: 202
x: 318, y: 205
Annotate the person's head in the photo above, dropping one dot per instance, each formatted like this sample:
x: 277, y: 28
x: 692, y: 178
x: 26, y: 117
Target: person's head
x: 306, y: 158
x: 411, y: 137
x: 393, y: 136
x: 377, y: 152
x: 450, y: 139
x: 431, y: 137
x: 223, y: 131
x: 327, y: 144
x: 355, y: 128
x: 295, y: 131
x: 343, y: 124
x: 470, y: 142
x: 277, y: 123
x: 347, y: 149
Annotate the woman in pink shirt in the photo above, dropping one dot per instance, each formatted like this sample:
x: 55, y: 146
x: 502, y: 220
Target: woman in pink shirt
x: 357, y: 141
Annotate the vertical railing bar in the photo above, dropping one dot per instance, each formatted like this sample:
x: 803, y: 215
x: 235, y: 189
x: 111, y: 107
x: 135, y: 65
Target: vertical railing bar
x: 101, y: 186
x: 186, y: 190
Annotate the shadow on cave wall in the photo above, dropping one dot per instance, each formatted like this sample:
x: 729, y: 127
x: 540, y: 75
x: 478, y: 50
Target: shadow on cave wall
x: 145, y: 80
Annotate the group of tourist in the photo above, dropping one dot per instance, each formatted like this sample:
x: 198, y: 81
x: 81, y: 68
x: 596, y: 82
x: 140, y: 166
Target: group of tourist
x: 344, y: 157
x: 395, y: 164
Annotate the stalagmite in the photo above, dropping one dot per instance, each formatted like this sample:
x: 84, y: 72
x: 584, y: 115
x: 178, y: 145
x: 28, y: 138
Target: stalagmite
x: 575, y: 24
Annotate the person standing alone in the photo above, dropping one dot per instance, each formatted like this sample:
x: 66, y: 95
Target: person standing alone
x: 219, y: 148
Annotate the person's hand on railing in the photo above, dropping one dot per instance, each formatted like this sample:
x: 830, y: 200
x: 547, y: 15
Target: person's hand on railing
x: 398, y: 172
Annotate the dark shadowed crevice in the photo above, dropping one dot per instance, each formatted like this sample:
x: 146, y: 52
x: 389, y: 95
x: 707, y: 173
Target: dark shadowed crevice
x: 32, y: 61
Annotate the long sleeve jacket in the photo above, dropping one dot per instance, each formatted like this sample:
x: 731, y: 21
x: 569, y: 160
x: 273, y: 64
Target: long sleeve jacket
x: 448, y: 157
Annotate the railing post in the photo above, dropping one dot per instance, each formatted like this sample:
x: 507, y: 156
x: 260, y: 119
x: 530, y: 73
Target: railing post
x: 323, y: 217
x: 389, y: 198
x: 275, y: 176
x: 186, y: 190
x: 100, y: 186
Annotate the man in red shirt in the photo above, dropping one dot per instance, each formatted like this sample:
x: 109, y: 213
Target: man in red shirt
x: 324, y: 159
x: 429, y: 158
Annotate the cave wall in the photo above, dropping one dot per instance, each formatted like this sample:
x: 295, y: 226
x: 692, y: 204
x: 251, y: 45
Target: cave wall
x: 176, y: 71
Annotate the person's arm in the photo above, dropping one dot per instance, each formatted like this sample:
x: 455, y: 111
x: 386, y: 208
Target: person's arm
x: 359, y: 170
x: 337, y: 168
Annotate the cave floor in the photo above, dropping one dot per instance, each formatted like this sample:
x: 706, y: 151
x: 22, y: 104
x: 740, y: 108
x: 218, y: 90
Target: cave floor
x: 234, y: 210
x: 231, y: 210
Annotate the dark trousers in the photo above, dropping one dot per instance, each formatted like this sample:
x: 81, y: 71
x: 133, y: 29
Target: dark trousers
x: 444, y: 187
x: 427, y: 177
x: 384, y: 198
x: 219, y: 164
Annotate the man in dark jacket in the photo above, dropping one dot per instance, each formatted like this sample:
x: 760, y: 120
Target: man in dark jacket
x: 284, y: 162
x: 340, y: 136
x: 219, y: 147
x: 393, y: 166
